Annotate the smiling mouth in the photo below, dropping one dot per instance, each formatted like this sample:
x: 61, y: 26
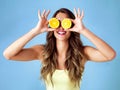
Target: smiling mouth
x: 61, y: 32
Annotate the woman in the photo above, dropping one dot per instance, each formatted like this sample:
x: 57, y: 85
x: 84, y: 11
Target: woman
x: 63, y: 56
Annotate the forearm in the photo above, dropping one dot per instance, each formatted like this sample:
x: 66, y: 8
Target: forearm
x: 18, y: 45
x: 100, y: 44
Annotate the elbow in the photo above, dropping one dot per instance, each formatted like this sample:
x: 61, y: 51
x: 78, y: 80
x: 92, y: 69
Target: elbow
x: 7, y: 56
x: 112, y: 56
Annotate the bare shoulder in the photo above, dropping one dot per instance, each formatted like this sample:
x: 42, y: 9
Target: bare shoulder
x: 88, y: 48
x: 39, y: 49
x: 36, y: 47
x: 90, y: 52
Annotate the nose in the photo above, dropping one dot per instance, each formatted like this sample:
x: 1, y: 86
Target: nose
x: 61, y: 28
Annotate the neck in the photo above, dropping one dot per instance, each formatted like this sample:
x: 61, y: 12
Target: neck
x: 62, y: 47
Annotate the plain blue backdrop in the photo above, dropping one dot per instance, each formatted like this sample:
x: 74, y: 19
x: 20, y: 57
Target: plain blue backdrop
x: 17, y: 17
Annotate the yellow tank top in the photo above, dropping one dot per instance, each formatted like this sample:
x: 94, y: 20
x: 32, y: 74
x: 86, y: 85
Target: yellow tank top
x: 61, y: 81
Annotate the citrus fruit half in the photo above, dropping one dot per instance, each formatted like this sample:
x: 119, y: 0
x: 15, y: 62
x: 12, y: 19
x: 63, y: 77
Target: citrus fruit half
x: 66, y: 23
x: 54, y: 23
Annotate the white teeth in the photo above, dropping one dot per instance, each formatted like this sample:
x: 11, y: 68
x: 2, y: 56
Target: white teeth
x: 61, y: 33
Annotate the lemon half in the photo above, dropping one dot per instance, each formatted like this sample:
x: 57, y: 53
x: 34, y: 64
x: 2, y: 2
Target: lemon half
x: 54, y: 23
x: 66, y: 23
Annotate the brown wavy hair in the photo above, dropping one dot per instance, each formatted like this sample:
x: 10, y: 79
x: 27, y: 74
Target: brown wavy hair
x: 74, y: 56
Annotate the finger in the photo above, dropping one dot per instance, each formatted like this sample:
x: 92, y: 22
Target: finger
x: 39, y: 14
x: 43, y: 13
x: 75, y: 12
x: 67, y: 29
x: 71, y: 29
x: 78, y: 12
x: 50, y: 29
x: 82, y: 14
x: 47, y: 13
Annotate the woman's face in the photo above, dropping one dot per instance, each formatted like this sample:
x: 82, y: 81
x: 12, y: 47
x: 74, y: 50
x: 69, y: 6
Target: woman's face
x: 60, y: 33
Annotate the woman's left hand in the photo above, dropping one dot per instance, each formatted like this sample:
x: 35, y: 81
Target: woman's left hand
x: 78, y: 24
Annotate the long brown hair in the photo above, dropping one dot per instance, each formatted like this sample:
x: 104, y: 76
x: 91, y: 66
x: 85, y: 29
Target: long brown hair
x: 74, y: 57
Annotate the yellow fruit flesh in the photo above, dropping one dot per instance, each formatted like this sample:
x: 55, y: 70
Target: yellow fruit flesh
x: 54, y: 23
x: 66, y: 23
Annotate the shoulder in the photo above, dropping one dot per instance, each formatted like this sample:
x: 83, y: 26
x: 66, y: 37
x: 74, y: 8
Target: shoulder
x: 39, y: 50
x: 88, y: 51
x: 87, y: 48
x: 36, y: 47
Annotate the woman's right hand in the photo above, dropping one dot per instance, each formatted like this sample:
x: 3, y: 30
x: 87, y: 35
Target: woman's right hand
x: 42, y: 25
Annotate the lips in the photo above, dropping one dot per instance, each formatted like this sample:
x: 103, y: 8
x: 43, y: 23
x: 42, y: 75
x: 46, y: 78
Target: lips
x: 61, y: 32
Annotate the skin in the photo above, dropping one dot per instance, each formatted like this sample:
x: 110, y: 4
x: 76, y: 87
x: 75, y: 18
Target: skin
x: 61, y: 42
x: 16, y: 51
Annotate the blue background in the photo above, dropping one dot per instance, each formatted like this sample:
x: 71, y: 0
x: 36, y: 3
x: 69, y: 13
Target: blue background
x: 17, y: 17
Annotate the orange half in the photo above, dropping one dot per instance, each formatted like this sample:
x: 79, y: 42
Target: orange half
x: 66, y: 23
x: 54, y: 23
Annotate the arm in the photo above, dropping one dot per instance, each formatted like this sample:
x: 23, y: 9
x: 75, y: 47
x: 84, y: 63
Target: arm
x: 16, y: 50
x: 103, y: 51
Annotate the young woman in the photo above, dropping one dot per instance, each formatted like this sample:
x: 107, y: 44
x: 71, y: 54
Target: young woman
x: 63, y: 56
